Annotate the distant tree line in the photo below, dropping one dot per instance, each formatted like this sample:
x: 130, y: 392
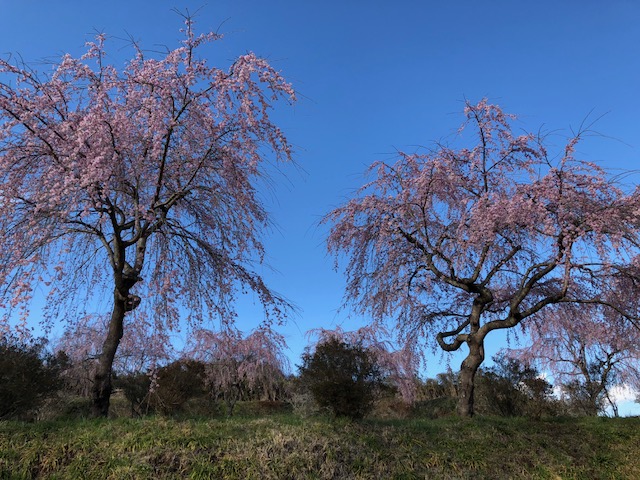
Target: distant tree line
x: 339, y: 376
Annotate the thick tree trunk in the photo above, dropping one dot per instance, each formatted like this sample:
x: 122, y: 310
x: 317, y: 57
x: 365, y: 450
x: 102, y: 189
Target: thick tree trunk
x: 468, y: 371
x: 102, y: 378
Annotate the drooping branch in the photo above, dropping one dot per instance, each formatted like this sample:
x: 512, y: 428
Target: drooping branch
x: 457, y: 342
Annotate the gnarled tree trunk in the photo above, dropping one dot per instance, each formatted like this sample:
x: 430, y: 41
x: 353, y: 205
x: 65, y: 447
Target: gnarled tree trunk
x: 102, y: 378
x: 468, y: 371
x: 123, y: 302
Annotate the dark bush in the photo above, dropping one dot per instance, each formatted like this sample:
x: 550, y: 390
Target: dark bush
x: 341, y: 377
x: 175, y: 384
x: 585, y: 398
x: 135, y: 387
x: 28, y: 376
x: 510, y: 388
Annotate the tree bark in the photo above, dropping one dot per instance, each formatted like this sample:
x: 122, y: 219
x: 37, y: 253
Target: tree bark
x: 468, y: 371
x: 102, y: 379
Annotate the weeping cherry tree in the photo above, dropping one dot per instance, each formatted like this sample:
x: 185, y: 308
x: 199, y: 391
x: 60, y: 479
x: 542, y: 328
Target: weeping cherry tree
x: 140, y: 181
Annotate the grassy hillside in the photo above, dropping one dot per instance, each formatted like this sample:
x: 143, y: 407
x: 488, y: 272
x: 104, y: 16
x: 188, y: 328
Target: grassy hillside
x: 284, y: 446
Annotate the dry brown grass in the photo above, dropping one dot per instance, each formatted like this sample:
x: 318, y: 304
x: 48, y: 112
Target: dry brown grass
x: 286, y: 446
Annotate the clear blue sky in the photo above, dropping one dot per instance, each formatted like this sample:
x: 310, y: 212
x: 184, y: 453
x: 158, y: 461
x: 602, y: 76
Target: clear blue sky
x: 374, y: 77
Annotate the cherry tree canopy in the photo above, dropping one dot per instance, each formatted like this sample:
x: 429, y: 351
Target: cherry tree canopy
x: 141, y: 181
x: 457, y: 242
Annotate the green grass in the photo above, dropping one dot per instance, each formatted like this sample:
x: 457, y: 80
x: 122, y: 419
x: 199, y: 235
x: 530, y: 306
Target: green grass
x: 285, y: 446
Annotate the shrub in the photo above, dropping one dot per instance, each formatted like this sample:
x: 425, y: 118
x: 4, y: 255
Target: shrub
x: 511, y: 388
x: 135, y: 388
x: 341, y: 377
x: 436, y: 397
x: 585, y: 397
x: 28, y: 375
x: 300, y: 398
x: 175, y: 384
